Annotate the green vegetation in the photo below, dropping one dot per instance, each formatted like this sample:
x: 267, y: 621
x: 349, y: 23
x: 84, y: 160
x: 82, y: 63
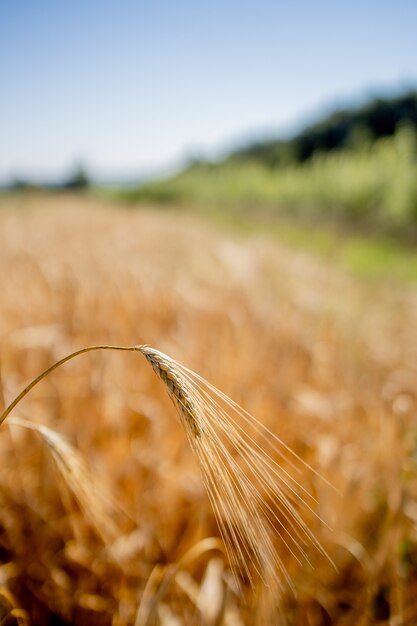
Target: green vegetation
x: 345, y: 187
x: 366, y: 256
x: 371, y: 187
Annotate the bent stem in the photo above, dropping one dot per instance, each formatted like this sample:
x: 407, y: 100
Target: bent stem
x: 53, y: 367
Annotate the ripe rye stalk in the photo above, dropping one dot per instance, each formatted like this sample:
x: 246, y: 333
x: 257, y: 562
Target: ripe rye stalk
x: 255, y: 498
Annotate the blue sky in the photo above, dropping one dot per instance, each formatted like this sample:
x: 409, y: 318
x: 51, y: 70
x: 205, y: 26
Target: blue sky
x: 129, y: 87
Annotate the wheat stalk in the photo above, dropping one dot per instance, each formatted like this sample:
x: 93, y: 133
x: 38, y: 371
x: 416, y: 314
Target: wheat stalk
x: 255, y: 498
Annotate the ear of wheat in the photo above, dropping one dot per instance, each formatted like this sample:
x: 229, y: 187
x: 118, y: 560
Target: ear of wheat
x: 90, y: 492
x: 248, y: 472
x: 254, y: 497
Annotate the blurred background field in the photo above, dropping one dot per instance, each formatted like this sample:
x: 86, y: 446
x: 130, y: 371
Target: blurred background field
x: 328, y: 362
x: 237, y: 187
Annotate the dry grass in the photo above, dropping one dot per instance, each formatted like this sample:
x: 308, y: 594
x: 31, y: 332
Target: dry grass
x: 326, y: 363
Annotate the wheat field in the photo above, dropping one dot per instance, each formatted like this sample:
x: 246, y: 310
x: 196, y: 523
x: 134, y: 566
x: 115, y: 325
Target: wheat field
x: 104, y: 516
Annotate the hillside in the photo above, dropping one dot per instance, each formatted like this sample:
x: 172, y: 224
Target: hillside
x: 341, y: 129
x: 354, y: 171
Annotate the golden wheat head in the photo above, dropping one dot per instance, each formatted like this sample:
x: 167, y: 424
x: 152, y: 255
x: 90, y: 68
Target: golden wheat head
x: 255, y: 498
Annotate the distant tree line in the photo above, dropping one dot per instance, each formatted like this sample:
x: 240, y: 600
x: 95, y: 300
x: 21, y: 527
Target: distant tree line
x: 76, y: 181
x: 342, y: 129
